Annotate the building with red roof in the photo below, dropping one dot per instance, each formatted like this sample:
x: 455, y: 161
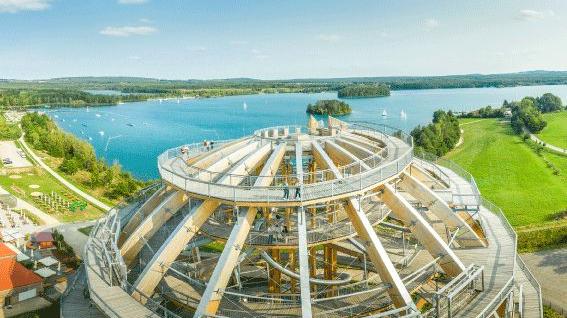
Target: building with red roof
x: 6, y: 252
x: 17, y: 283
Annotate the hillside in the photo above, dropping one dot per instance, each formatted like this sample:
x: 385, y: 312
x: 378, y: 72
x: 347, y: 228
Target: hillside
x: 511, y: 174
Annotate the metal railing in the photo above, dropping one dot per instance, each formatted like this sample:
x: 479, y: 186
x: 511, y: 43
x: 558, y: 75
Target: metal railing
x: 196, y: 180
x: 533, y: 281
x: 106, y: 231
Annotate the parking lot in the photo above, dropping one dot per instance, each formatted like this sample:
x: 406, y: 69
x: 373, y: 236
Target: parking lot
x: 8, y: 150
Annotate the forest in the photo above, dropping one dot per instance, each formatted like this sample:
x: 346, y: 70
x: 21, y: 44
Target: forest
x: 70, y: 91
x: 78, y: 156
x: 364, y: 90
x: 21, y: 97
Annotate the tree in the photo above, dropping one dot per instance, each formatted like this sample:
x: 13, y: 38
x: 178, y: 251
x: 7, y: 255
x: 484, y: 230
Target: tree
x: 549, y: 103
x: 440, y: 136
x: 525, y: 114
x: 329, y: 107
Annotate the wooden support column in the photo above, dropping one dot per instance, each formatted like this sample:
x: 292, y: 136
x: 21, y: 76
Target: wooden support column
x: 293, y: 267
x: 330, y: 255
x: 274, y: 284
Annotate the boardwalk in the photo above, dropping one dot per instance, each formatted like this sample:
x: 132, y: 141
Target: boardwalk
x: 74, y: 300
x: 112, y: 300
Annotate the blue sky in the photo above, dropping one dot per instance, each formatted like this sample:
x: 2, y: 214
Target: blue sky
x: 181, y: 39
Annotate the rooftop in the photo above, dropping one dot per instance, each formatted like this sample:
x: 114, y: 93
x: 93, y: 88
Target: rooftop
x: 6, y: 252
x: 14, y: 274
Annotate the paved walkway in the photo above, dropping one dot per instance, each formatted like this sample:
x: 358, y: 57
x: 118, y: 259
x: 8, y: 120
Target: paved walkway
x: 74, y: 237
x: 550, y: 269
x: 547, y: 145
x: 66, y: 183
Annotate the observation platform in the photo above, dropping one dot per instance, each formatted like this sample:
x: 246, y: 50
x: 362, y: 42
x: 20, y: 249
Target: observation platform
x: 337, y: 221
x: 369, y: 155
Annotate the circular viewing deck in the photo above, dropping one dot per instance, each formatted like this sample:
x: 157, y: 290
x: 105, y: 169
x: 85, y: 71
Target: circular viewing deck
x: 337, y: 221
x: 365, y: 155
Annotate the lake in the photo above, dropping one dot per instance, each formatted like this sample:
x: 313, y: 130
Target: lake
x: 134, y: 134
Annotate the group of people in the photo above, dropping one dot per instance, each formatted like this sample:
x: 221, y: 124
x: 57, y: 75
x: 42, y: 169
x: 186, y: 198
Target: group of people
x: 276, y: 230
x: 286, y: 190
x: 208, y: 144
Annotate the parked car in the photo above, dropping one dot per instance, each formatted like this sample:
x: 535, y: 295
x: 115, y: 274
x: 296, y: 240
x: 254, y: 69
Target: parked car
x: 7, y: 161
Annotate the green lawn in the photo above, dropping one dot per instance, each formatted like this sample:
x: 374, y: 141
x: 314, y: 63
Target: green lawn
x: 555, y: 133
x: 510, y: 174
x: 20, y: 187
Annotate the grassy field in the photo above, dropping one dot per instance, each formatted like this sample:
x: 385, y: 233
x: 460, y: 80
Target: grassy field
x: 79, y: 179
x: 511, y: 174
x: 41, y: 181
x: 556, y: 131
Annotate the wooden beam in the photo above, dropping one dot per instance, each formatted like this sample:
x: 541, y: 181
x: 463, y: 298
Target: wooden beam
x: 376, y: 251
x: 150, y: 225
x: 171, y: 248
x: 423, y: 231
x: 441, y: 209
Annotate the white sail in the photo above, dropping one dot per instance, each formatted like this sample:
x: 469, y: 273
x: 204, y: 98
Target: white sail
x: 384, y: 113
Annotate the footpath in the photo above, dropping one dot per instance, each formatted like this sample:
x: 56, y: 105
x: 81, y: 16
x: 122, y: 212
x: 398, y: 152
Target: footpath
x: 66, y: 183
x: 546, y: 145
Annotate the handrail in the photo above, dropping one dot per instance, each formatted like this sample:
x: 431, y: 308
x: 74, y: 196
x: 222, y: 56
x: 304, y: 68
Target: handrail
x: 373, y: 160
x: 533, y: 281
x: 242, y: 192
x: 507, y: 226
x: 113, y: 259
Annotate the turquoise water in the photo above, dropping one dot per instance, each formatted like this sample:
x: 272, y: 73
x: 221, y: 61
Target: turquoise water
x: 134, y: 134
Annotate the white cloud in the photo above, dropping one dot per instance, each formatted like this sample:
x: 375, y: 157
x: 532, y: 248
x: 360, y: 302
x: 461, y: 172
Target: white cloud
x: 132, y: 1
x: 134, y: 57
x: 144, y: 20
x: 431, y: 23
x: 13, y: 6
x: 331, y: 38
x: 531, y: 15
x: 125, y: 31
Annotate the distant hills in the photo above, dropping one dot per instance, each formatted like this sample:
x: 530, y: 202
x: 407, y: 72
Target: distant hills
x: 134, y: 84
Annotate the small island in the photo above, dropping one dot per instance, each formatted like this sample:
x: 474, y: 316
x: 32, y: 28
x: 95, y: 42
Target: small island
x: 331, y: 107
x: 364, y: 90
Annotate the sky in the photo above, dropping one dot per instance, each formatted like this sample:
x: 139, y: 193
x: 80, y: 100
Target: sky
x: 184, y: 39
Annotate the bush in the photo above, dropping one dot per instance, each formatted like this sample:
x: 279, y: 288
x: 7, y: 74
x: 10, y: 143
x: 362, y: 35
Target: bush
x: 546, y: 236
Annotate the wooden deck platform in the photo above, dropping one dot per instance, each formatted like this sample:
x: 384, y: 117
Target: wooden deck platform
x: 113, y: 301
